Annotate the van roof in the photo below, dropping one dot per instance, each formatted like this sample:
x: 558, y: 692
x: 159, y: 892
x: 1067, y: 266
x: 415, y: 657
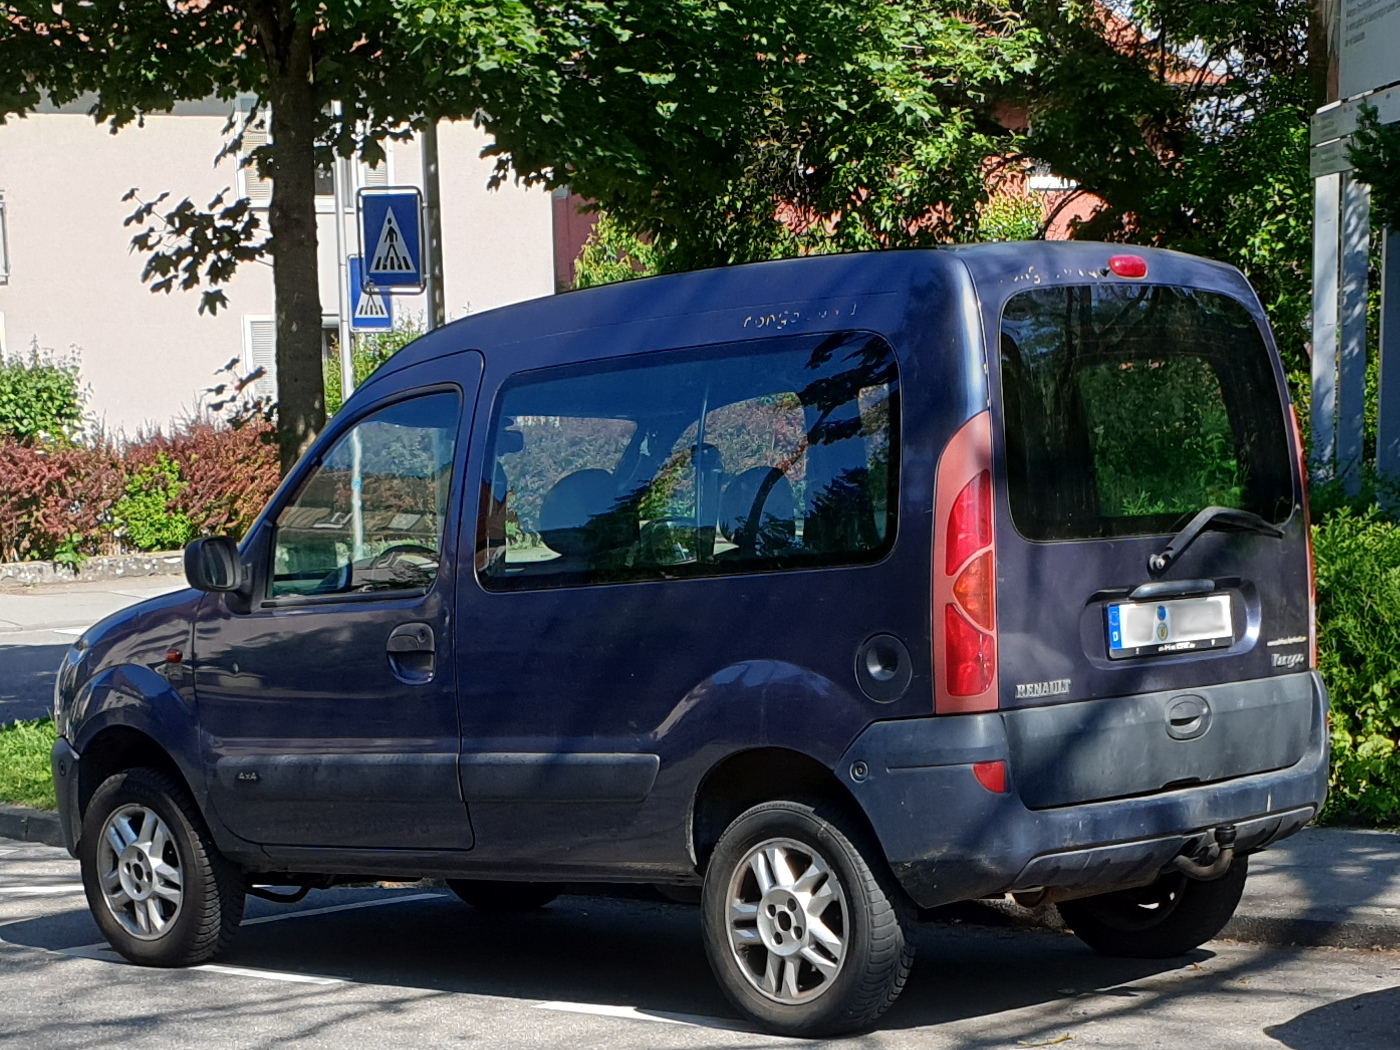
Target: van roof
x: 868, y: 290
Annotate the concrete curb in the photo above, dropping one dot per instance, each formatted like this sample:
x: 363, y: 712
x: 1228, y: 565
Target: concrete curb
x: 117, y: 567
x: 30, y: 825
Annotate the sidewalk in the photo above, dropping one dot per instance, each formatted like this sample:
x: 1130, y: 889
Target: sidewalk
x: 39, y: 623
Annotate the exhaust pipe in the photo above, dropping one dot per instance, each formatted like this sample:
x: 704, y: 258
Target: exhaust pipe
x: 1203, y: 870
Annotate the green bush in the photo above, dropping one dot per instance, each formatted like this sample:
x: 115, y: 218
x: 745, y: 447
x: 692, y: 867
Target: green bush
x: 147, y: 513
x: 370, y: 351
x: 40, y: 399
x: 26, y: 777
x: 1358, y: 612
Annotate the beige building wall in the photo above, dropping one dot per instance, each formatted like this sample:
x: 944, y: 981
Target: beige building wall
x: 147, y: 359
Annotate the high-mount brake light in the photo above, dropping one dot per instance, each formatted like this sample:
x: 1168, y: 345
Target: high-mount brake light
x: 964, y: 574
x: 1128, y: 265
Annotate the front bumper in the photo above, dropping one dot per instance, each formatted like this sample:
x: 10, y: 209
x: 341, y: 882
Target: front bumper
x: 949, y: 839
x: 65, y: 785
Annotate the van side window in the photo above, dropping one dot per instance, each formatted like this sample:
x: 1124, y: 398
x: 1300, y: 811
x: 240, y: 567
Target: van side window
x: 370, y: 516
x: 755, y: 456
x: 1130, y: 408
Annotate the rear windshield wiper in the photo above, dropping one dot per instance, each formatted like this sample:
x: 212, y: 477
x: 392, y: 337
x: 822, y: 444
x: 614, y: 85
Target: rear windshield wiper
x: 1208, y: 518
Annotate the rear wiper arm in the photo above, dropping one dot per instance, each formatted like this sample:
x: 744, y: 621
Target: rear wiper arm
x: 1208, y: 518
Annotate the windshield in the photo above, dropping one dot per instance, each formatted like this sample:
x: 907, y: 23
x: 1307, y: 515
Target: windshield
x: 1127, y: 409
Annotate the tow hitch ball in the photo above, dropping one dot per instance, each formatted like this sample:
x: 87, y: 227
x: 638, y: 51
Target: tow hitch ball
x: 1200, y: 865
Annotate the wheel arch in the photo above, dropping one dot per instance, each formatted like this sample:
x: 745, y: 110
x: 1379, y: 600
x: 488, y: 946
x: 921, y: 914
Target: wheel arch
x: 765, y: 774
x: 118, y: 747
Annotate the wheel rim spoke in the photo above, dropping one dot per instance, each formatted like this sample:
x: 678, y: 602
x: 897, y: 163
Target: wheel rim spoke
x: 143, y: 884
x: 787, y: 920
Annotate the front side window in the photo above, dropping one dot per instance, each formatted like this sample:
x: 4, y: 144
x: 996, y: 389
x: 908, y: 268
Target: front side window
x: 1129, y: 409
x: 761, y: 455
x: 370, y: 516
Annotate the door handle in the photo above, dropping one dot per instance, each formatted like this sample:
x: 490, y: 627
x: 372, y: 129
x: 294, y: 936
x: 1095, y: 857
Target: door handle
x: 412, y: 651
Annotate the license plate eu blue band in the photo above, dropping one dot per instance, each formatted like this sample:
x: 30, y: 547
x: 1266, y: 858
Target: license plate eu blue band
x: 1179, y: 625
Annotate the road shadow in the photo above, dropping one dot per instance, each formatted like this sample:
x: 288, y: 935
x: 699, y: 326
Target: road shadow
x: 1363, y: 1022
x: 621, y: 952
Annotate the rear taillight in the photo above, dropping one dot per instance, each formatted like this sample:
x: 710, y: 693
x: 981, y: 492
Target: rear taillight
x: 964, y: 574
x: 1307, y: 529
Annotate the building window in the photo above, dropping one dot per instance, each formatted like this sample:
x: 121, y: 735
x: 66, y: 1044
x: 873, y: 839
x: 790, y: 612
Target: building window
x: 260, y: 352
x: 255, y: 126
x: 4, y: 243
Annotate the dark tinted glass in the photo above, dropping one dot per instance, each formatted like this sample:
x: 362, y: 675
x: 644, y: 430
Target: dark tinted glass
x: 1130, y: 408
x: 760, y: 455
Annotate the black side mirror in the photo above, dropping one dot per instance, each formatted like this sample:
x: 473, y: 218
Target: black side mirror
x: 212, y: 564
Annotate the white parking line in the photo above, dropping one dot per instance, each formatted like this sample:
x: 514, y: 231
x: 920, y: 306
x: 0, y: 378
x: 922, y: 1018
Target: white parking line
x: 103, y: 953
x: 305, y: 912
x: 41, y: 891
x: 632, y: 1013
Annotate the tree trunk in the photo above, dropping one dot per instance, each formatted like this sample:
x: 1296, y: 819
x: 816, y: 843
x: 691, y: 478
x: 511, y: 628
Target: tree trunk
x: 291, y: 216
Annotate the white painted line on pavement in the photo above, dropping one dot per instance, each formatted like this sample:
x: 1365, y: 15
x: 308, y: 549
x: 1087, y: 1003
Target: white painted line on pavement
x: 632, y: 1013
x: 74, y: 631
x: 103, y: 953
x: 305, y: 912
x: 41, y: 891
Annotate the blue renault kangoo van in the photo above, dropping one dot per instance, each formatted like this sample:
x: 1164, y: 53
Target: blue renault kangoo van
x: 828, y: 589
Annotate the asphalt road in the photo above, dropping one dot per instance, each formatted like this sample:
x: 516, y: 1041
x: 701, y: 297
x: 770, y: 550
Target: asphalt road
x: 411, y: 967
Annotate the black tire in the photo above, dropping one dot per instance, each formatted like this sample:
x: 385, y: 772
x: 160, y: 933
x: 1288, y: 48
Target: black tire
x: 487, y: 895
x: 835, y: 888
x: 1168, y: 918
x: 167, y: 834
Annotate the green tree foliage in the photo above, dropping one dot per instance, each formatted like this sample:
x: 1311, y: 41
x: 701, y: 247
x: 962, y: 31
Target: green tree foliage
x: 145, y: 514
x: 614, y: 253
x: 1189, y: 119
x: 1375, y: 156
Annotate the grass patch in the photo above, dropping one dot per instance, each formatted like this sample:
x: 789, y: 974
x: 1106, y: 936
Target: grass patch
x: 26, y: 777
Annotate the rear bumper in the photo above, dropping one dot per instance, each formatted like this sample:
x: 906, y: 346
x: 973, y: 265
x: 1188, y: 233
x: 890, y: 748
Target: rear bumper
x: 948, y: 839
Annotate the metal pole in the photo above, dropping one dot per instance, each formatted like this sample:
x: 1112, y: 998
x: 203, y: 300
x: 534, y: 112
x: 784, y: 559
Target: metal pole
x: 432, y: 207
x: 1388, y: 408
x: 344, y: 192
x: 1327, y: 194
x: 1351, y: 361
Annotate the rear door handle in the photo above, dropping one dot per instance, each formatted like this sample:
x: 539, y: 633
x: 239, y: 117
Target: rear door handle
x: 412, y: 651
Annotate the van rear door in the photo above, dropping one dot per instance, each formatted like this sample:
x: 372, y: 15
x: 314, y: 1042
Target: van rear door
x: 1153, y: 597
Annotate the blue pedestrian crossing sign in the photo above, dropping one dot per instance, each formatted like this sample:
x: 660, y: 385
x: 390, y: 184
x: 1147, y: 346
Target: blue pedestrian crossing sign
x: 370, y: 311
x: 391, y: 241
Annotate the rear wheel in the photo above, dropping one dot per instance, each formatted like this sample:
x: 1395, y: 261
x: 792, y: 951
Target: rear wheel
x: 1167, y: 918
x: 487, y: 895
x: 802, y: 932
x: 160, y: 891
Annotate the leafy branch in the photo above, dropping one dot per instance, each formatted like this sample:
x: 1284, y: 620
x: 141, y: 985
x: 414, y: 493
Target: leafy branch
x: 1375, y: 157
x: 188, y: 246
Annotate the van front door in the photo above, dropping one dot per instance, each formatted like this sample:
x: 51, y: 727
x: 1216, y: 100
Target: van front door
x: 327, y: 707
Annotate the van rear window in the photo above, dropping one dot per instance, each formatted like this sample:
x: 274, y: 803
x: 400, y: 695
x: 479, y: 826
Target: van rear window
x: 1127, y: 409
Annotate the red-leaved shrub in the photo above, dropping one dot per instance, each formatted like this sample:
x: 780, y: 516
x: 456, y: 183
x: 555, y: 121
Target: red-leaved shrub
x: 58, y: 501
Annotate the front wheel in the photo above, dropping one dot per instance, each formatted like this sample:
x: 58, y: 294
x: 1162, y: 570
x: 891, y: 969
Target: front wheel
x: 802, y: 931
x: 1167, y: 918
x: 161, y: 893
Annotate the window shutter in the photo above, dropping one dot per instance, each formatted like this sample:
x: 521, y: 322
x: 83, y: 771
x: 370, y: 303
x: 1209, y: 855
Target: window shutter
x: 260, y: 351
x: 250, y: 184
x: 371, y: 177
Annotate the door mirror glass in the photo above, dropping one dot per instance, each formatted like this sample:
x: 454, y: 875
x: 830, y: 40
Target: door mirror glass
x: 370, y: 516
x: 212, y: 564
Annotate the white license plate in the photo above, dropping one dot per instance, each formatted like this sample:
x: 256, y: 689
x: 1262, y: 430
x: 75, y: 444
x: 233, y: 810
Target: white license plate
x: 1179, y: 625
